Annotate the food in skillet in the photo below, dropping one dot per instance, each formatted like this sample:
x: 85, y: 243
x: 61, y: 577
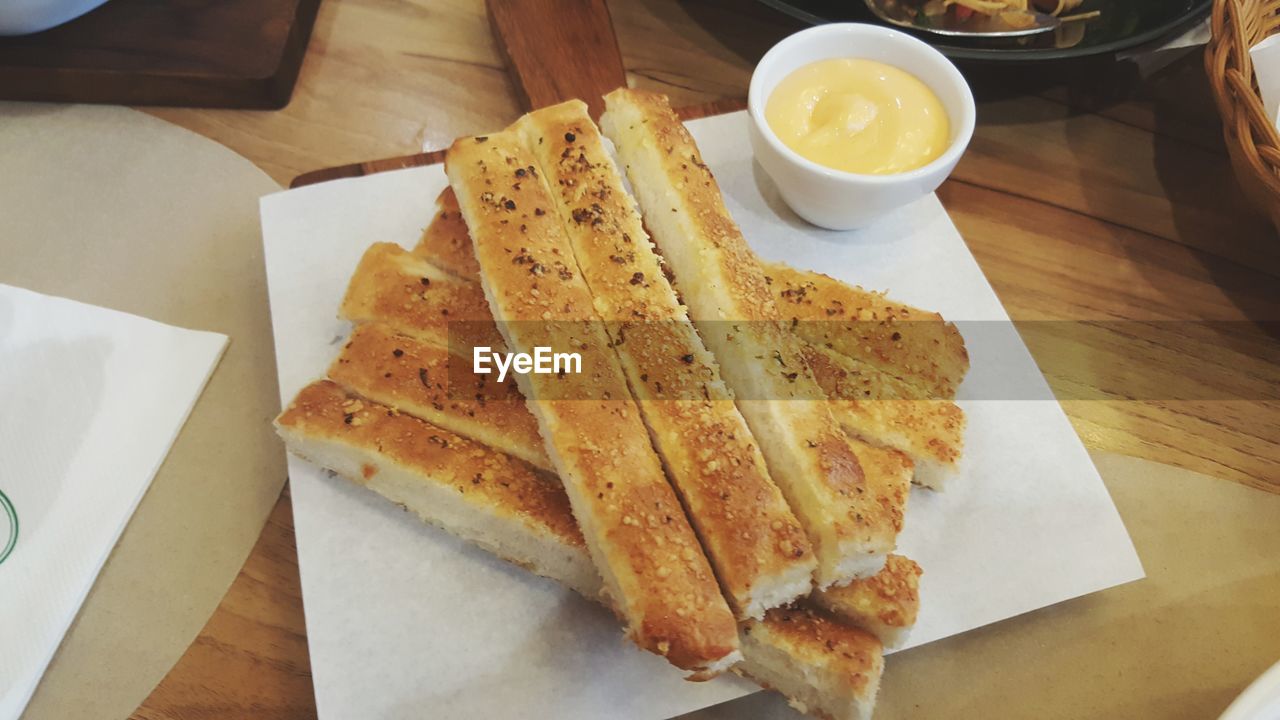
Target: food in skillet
x: 1015, y: 14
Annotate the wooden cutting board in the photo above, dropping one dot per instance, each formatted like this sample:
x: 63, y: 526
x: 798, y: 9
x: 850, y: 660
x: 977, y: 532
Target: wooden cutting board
x: 194, y: 53
x: 556, y: 50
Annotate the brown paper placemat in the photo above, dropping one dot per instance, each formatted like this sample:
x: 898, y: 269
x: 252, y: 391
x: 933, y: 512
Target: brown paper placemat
x: 112, y: 207
x: 1182, y: 643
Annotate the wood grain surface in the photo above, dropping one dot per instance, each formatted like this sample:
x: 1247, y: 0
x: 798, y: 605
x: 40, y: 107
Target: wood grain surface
x: 573, y: 54
x: 232, y: 53
x: 432, y: 157
x: 1090, y: 196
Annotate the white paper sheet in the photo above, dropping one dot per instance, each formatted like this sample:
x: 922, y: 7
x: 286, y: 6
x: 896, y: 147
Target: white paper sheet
x: 90, y: 401
x: 404, y: 621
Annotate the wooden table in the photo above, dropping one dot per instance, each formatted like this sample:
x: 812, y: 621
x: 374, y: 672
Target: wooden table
x: 1101, y: 198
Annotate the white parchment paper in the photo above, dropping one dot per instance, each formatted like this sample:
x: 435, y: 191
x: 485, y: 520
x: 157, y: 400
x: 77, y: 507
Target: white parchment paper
x: 404, y: 621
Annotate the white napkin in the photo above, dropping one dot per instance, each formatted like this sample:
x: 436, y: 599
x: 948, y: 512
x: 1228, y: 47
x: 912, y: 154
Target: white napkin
x: 90, y: 402
x: 1266, y: 68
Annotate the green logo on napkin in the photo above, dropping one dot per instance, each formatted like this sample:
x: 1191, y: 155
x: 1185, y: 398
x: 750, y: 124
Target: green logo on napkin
x: 8, y: 526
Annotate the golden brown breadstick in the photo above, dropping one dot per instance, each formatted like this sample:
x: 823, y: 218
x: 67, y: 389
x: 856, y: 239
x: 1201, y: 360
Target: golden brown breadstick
x: 653, y: 567
x: 917, y: 345
x: 759, y: 552
x: 724, y: 286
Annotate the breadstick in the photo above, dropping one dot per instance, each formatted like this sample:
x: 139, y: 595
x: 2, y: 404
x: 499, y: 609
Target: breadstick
x: 653, y: 568
x: 883, y: 409
x: 851, y: 525
x: 393, y: 286
x: 427, y: 382
x: 915, y: 344
x: 756, y: 547
x: 445, y: 243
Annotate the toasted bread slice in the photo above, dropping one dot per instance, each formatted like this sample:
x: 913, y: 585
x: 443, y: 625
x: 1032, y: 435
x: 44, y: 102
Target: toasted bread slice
x: 396, y: 287
x: 918, y: 345
x: 523, y: 516
x: 880, y: 408
x: 885, y: 604
x: 724, y: 286
x: 756, y: 546
x: 424, y: 380
x: 485, y: 497
x: 822, y: 665
x: 635, y: 528
x: 445, y: 243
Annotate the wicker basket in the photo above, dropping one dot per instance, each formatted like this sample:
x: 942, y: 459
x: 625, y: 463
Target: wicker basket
x: 1252, y: 140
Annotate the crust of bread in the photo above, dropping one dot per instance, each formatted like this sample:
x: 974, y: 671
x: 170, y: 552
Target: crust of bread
x: 426, y: 381
x: 918, y: 345
x: 634, y: 526
x: 760, y: 554
x: 498, y: 502
x: 722, y: 282
x: 823, y: 666
x: 445, y: 243
x: 883, y: 410
x: 523, y: 517
x: 394, y: 286
x: 885, y: 604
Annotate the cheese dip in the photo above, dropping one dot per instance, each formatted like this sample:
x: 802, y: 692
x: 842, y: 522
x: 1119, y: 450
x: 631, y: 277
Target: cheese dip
x: 859, y: 116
